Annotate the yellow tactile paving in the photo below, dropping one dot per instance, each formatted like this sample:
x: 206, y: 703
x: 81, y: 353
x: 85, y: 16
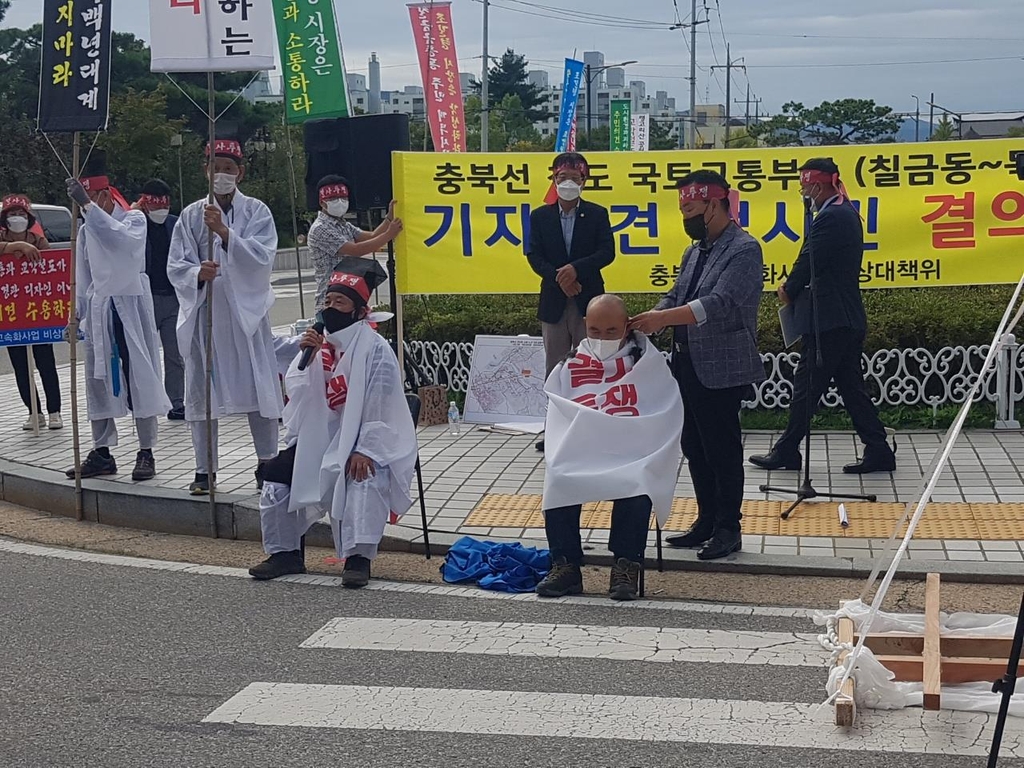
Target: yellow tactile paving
x: 867, y: 520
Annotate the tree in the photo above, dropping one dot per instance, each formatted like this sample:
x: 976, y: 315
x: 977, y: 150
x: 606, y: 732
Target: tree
x: 138, y: 141
x: 509, y: 77
x: 944, y: 130
x: 661, y: 135
x: 1016, y: 132
x: 846, y: 121
x: 4, y: 5
x: 740, y: 138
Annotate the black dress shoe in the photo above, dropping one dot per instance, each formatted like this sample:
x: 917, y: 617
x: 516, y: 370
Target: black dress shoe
x: 881, y: 459
x: 694, y: 537
x: 721, y: 544
x: 539, y: 446
x: 176, y: 414
x: 776, y: 460
x: 279, y: 564
x: 356, y: 573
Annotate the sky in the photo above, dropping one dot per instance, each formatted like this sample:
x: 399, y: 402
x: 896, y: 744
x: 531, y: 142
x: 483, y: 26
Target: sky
x: 970, y: 55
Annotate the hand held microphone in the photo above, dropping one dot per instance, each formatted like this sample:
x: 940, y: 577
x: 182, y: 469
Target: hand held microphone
x: 308, y: 352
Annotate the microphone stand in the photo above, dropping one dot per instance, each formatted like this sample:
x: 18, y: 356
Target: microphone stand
x: 806, y: 490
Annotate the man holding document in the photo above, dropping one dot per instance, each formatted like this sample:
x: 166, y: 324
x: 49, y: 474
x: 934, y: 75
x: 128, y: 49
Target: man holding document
x: 836, y: 243
x: 613, y: 432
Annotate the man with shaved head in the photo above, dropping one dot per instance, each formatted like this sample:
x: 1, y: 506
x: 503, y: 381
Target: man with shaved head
x: 612, y: 433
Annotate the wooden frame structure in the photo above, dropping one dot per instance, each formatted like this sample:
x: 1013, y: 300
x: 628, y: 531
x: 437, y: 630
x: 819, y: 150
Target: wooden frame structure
x: 929, y: 658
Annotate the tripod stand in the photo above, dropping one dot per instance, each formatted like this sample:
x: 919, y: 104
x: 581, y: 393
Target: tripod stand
x: 806, y: 490
x: 1005, y: 686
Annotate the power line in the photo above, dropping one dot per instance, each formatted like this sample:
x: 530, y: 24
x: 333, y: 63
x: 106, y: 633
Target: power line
x: 877, y: 37
x: 544, y: 12
x: 602, y: 16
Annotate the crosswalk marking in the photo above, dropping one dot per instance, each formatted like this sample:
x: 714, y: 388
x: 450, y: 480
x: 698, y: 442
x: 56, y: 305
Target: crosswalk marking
x: 630, y: 718
x: 649, y: 644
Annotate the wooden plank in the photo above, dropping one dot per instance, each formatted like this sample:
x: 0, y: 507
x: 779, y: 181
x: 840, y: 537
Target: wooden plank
x: 932, y: 654
x: 955, y: 670
x: 846, y: 708
x: 909, y: 644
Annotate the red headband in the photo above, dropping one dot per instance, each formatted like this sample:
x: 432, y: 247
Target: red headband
x: 333, y: 191
x: 353, y: 282
x: 156, y: 201
x: 702, y: 192
x: 572, y: 166
x: 812, y: 176
x: 95, y: 183
x: 227, y: 148
x: 17, y: 201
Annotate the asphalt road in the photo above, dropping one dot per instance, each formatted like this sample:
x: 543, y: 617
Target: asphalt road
x: 104, y: 665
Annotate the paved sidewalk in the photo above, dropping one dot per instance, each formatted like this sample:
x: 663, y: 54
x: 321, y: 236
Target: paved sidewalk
x: 977, y: 515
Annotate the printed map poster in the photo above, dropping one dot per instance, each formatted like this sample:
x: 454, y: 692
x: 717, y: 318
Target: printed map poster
x: 506, y: 381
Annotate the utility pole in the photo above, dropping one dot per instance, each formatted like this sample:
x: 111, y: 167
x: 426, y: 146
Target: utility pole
x: 931, y: 115
x: 485, y: 112
x: 693, y: 75
x: 746, y: 116
x: 730, y: 65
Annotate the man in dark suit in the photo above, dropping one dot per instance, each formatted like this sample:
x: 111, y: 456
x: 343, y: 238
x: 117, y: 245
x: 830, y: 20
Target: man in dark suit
x: 836, y: 243
x: 712, y: 309
x: 570, y: 243
x: 156, y: 202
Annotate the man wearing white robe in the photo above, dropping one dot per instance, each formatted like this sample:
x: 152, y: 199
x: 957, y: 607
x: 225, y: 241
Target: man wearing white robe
x: 613, y: 428
x: 245, y: 379
x: 115, y: 308
x: 351, y: 440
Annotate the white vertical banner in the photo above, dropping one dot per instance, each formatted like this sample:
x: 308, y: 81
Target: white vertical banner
x: 212, y: 35
x: 641, y: 133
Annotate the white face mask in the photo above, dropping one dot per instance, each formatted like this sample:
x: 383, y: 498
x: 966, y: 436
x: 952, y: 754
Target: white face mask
x: 604, y: 349
x: 224, y: 183
x: 337, y: 208
x: 17, y: 223
x: 158, y: 216
x: 569, y: 191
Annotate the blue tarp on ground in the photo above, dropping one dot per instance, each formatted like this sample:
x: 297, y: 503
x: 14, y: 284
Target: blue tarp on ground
x: 499, y: 567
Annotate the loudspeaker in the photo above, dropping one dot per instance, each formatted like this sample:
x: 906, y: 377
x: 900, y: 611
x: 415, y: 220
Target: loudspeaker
x: 358, y: 148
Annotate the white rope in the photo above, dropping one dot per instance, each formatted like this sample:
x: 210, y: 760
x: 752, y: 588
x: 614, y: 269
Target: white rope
x: 1005, y: 325
x: 186, y: 94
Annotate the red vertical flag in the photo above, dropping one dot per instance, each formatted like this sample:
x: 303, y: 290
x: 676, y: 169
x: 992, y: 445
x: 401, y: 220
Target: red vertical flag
x: 439, y: 65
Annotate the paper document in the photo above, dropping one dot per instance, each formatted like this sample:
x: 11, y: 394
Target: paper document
x: 787, y: 319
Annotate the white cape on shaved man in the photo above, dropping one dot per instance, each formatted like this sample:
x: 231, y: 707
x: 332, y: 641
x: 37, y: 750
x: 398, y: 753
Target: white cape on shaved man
x: 613, y: 428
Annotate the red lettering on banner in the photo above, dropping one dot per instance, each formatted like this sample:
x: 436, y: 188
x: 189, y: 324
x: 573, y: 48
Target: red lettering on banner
x: 585, y: 370
x: 621, y: 399
x: 587, y: 401
x: 328, y: 357
x: 1008, y: 206
x: 620, y: 371
x: 193, y: 4
x: 439, y: 69
x: 36, y: 298
x: 337, y: 392
x: 951, y: 234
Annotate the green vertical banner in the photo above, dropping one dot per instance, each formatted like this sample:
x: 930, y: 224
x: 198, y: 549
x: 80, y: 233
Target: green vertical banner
x: 621, y: 132
x: 311, y: 60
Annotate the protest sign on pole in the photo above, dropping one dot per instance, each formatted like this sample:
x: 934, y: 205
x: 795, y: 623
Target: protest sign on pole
x: 570, y: 98
x: 211, y: 35
x: 314, y: 82
x: 74, y: 86
x: 439, y: 66
x: 641, y: 132
x: 620, y: 125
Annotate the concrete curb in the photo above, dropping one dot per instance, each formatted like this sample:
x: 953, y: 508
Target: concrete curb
x: 162, y: 510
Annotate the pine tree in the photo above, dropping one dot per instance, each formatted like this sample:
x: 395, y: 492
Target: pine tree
x: 509, y: 77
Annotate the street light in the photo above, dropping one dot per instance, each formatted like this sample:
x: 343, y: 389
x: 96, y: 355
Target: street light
x: 917, y: 118
x: 589, y: 74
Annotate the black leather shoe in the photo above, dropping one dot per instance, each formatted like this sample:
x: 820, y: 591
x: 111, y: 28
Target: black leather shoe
x: 694, y: 537
x: 356, y: 573
x: 776, y: 460
x: 539, y: 446
x: 145, y: 466
x: 880, y: 459
x: 176, y: 414
x: 721, y: 544
x: 279, y: 564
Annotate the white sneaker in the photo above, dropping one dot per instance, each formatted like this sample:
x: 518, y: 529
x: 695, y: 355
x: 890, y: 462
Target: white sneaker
x: 56, y: 422
x: 29, y: 426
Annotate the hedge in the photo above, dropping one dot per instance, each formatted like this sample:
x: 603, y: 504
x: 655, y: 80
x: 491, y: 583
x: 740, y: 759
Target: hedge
x: 930, y: 318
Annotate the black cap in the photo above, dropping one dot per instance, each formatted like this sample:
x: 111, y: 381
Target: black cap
x: 357, y: 278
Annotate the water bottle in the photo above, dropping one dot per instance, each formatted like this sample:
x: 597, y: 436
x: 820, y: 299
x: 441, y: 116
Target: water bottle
x: 453, y: 418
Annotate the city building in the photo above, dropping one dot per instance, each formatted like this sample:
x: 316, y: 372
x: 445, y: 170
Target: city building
x: 988, y: 125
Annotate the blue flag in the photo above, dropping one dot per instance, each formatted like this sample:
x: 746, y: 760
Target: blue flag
x: 570, y: 98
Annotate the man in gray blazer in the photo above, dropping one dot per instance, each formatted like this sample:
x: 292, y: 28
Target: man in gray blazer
x: 712, y: 309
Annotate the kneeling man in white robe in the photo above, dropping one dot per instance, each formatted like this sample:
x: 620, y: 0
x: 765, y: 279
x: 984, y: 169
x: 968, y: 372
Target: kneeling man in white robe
x: 613, y: 431
x: 122, y: 347
x: 351, y: 440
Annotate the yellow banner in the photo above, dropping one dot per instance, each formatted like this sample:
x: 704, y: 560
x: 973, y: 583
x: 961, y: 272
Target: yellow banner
x: 943, y: 213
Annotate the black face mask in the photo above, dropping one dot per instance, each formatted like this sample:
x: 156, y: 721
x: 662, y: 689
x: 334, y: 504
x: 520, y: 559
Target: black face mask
x: 696, y: 227
x: 336, y: 320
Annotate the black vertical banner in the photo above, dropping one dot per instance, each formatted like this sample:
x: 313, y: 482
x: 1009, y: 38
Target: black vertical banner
x: 74, y: 84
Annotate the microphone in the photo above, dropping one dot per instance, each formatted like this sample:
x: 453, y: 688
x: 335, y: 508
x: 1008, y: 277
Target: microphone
x: 307, y: 353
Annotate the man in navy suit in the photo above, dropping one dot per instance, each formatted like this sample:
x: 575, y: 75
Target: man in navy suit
x: 712, y: 309
x: 156, y: 202
x: 570, y: 243
x: 836, y: 242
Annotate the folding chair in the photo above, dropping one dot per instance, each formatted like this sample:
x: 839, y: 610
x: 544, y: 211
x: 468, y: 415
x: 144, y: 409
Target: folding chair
x: 414, y: 410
